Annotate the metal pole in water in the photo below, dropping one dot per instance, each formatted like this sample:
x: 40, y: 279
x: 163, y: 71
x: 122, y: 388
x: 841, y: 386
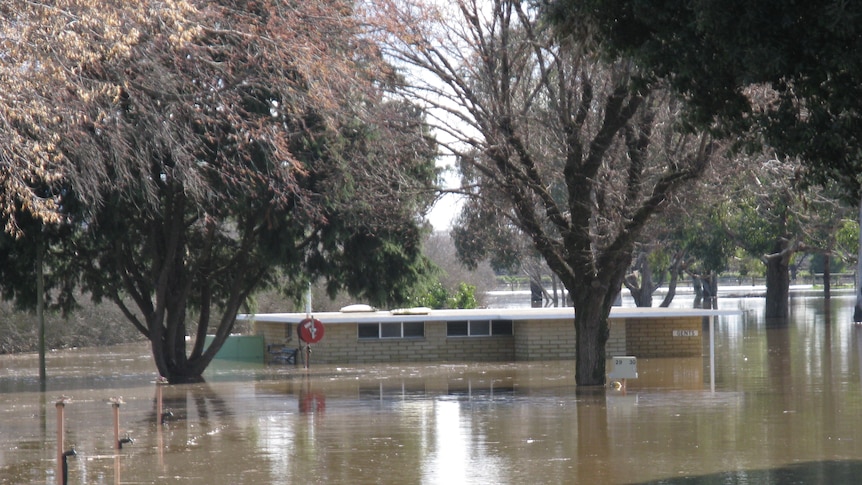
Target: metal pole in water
x: 62, y: 470
x: 60, y: 432
x: 161, y: 418
x: 118, y: 442
x: 116, y: 406
x: 712, y: 353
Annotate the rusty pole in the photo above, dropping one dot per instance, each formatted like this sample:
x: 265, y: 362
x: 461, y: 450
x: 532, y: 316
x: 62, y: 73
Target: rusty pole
x: 61, y: 434
x: 116, y: 406
x: 61, y: 405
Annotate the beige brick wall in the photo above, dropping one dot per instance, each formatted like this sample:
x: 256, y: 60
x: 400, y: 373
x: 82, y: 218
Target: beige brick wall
x: 664, y: 337
x: 532, y: 340
x: 276, y: 333
x: 616, y: 344
x: 544, y: 340
x: 555, y: 339
x: 340, y: 344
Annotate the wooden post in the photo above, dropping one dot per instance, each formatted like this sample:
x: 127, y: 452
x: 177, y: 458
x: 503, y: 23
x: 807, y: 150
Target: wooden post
x: 61, y: 437
x: 118, y: 445
x: 118, y: 442
x: 116, y: 406
x: 61, y: 430
x: 160, y: 422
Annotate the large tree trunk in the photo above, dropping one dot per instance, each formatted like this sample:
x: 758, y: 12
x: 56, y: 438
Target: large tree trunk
x: 641, y: 288
x: 556, y: 296
x: 778, y: 284
x: 675, y: 270
x: 710, y: 300
x: 592, y: 332
x: 593, y: 300
x: 170, y: 352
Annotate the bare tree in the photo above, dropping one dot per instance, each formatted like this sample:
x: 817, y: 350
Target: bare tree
x: 568, y: 137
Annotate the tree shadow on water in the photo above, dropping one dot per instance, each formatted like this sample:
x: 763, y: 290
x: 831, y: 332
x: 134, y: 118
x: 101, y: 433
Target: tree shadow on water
x: 812, y: 472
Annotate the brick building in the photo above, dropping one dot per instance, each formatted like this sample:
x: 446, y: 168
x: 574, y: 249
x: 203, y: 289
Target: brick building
x: 423, y: 335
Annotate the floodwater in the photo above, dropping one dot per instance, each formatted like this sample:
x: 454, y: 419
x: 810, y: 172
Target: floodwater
x: 786, y: 408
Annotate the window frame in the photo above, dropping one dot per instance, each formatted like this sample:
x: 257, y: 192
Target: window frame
x: 495, y: 328
x: 389, y: 335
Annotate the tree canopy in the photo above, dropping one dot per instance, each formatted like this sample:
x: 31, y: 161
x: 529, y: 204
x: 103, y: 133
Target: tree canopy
x: 196, y: 151
x: 712, y: 52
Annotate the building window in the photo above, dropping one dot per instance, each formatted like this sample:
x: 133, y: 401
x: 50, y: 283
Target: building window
x: 457, y: 329
x: 482, y: 328
x: 369, y: 330
x: 391, y: 330
x: 502, y: 327
x: 413, y: 329
x: 479, y: 328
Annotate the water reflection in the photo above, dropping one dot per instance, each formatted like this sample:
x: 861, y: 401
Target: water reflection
x: 819, y: 472
x: 787, y: 407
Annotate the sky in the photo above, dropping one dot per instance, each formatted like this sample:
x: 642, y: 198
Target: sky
x: 444, y: 211
x: 448, y: 206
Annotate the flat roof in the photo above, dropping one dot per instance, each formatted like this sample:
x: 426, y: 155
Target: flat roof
x: 427, y: 315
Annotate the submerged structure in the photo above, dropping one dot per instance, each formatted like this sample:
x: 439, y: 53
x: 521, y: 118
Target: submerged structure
x: 360, y: 334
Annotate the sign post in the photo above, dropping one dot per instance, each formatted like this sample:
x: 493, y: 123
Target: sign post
x: 310, y: 330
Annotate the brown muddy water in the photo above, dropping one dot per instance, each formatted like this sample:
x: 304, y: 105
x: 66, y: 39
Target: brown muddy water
x: 787, y: 408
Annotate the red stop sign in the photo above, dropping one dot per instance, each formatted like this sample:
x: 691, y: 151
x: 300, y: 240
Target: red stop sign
x: 310, y: 330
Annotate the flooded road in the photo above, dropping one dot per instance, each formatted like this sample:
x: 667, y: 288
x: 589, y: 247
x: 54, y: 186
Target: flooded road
x: 787, y: 408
